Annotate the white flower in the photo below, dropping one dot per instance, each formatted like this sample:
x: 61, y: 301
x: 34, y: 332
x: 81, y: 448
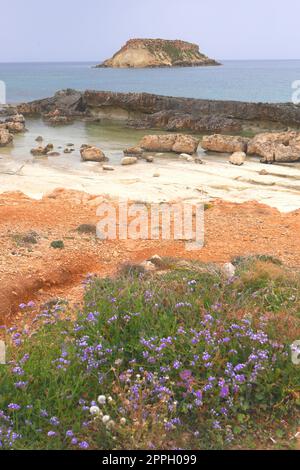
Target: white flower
x: 110, y: 424
x: 105, y: 419
x: 109, y: 399
x: 102, y: 399
x: 95, y: 410
x: 123, y: 421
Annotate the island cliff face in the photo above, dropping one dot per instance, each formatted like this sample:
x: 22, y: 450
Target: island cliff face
x: 141, y: 53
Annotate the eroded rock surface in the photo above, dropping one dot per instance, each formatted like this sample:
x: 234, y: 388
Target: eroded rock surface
x: 224, y: 143
x: 6, y: 137
x: 276, y: 146
x: 178, y: 143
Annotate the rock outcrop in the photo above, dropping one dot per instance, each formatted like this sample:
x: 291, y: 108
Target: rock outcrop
x: 224, y: 143
x: 148, y: 111
x: 276, y: 146
x: 270, y: 146
x: 13, y: 124
x: 141, y: 53
x: 178, y: 143
x: 6, y: 137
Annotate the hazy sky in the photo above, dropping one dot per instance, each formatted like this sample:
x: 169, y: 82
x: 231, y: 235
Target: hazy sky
x: 91, y: 30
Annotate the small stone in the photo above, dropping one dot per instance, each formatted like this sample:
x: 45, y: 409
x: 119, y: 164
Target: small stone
x: 128, y: 160
x: 228, y: 270
x: 57, y: 244
x: 237, y: 158
x: 148, y: 266
x: 149, y: 159
x: 39, y: 139
x: 53, y: 154
x: 263, y: 172
x: 156, y: 174
x: 108, y: 168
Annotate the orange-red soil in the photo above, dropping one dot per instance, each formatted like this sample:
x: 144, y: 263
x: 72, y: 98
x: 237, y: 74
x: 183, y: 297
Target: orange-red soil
x: 38, y: 272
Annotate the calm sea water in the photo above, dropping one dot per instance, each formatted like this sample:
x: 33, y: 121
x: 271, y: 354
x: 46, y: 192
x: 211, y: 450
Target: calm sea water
x: 236, y: 80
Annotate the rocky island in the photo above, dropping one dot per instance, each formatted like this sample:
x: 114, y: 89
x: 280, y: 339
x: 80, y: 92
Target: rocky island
x: 142, y: 53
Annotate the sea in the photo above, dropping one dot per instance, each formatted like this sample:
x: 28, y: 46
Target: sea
x: 258, y: 81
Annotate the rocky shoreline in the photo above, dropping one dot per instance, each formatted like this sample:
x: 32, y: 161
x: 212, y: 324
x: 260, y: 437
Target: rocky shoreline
x: 146, y: 111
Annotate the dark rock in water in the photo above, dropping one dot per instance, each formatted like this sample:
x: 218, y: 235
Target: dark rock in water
x: 53, y: 154
x: 39, y: 151
x: 133, y: 152
x: 144, y: 110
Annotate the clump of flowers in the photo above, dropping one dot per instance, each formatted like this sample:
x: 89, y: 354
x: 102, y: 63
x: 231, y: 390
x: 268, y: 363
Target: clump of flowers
x: 160, y: 366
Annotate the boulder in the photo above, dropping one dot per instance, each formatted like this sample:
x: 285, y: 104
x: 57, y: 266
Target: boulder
x: 14, y: 124
x: 5, y: 137
x: 92, y: 154
x: 128, y: 160
x: 16, y: 118
x: 276, y: 146
x: 178, y: 143
x: 15, y: 127
x: 133, y: 152
x: 237, y: 158
x: 224, y: 143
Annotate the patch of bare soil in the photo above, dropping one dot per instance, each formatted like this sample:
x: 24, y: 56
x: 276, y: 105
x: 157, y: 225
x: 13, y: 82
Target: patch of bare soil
x: 30, y: 269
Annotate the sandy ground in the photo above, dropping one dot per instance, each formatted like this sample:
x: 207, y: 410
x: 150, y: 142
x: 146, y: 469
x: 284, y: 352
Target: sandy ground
x: 38, y: 272
x: 215, y: 179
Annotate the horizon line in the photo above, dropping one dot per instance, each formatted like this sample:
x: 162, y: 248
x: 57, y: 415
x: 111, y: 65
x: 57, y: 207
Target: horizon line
x: 99, y: 62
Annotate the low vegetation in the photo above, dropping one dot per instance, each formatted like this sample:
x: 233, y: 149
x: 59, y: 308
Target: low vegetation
x: 182, y: 358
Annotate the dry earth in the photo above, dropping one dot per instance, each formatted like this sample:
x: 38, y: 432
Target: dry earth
x: 38, y: 272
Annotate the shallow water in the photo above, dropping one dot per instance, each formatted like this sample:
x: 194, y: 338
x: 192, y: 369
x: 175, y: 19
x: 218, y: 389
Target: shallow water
x: 269, y: 80
x: 112, y: 138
